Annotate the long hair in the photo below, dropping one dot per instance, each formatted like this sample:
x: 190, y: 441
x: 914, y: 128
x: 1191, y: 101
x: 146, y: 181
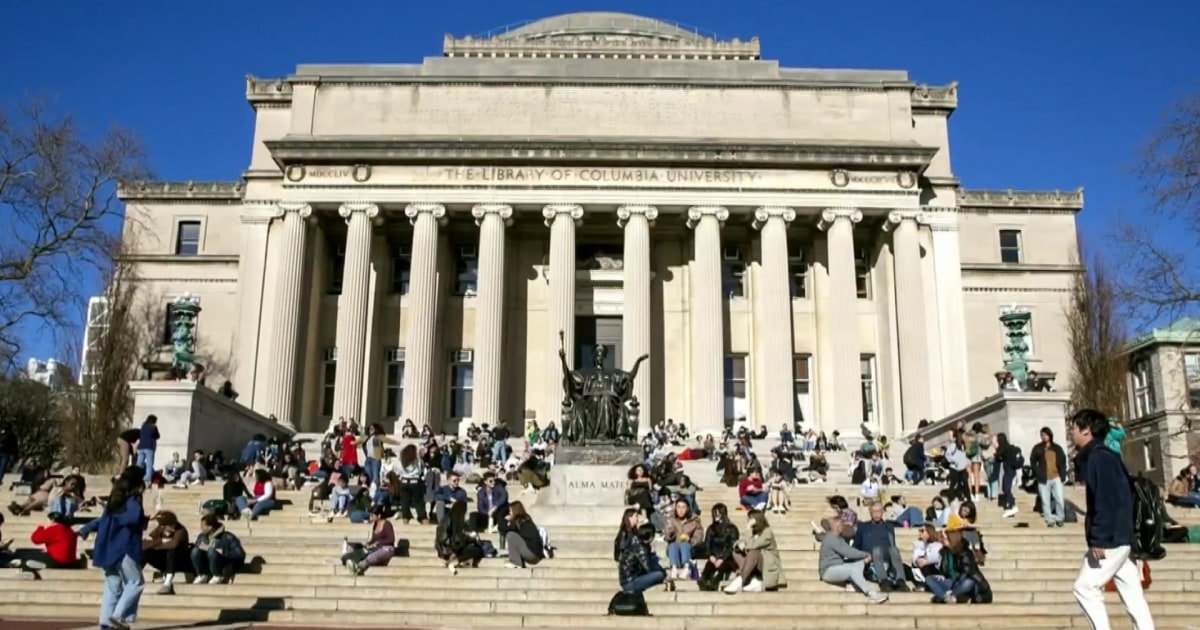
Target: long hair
x: 720, y: 513
x: 516, y: 510
x: 125, y: 488
x: 625, y: 519
x: 458, y: 516
x: 408, y: 455
x: 758, y: 523
x: 1001, y: 442
x: 838, y: 502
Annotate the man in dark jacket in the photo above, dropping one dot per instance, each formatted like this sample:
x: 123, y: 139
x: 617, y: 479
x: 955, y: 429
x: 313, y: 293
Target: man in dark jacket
x: 1049, y: 463
x: 448, y: 494
x: 638, y: 568
x: 1109, y: 527
x: 878, y: 538
x: 914, y: 461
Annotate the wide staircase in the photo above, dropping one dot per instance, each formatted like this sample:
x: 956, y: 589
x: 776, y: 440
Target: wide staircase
x: 1031, y: 570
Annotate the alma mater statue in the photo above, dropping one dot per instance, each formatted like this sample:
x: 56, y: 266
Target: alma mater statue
x: 598, y: 403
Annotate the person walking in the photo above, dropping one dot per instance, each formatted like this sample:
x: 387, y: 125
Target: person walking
x: 1049, y: 463
x: 1008, y: 458
x: 147, y: 443
x: 1108, y: 526
x: 118, y: 551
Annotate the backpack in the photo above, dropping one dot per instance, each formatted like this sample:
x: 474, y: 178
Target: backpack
x: 973, y: 450
x: 1147, y: 520
x: 628, y: 604
x: 1016, y: 457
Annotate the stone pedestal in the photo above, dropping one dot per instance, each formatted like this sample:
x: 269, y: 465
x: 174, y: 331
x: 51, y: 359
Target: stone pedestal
x: 590, y: 476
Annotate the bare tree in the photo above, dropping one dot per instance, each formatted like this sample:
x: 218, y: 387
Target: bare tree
x: 60, y: 214
x: 1096, y: 333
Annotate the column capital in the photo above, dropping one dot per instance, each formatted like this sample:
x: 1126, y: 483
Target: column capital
x: 436, y: 210
x: 551, y: 211
x: 350, y: 207
x: 696, y: 213
x: 766, y: 213
x: 896, y: 217
x: 830, y: 215
x: 625, y: 212
x: 302, y: 209
x: 502, y: 210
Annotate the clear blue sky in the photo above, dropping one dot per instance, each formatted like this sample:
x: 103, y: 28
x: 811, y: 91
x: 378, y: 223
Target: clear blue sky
x: 1054, y: 94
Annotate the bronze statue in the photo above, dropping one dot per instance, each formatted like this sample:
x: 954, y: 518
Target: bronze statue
x: 598, y: 403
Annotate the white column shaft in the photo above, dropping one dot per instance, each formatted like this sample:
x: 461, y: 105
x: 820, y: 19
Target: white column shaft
x: 420, y: 342
x: 285, y: 340
x: 251, y: 268
x: 910, y: 324
x: 708, y: 337
x: 952, y: 327
x: 843, y: 316
x: 489, y: 320
x: 775, y: 343
x: 635, y: 323
x: 352, y: 313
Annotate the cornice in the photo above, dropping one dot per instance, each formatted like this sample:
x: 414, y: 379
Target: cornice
x: 938, y: 100
x: 682, y: 83
x: 264, y: 93
x: 1022, y: 267
x: 630, y: 46
x: 188, y: 190
x: 178, y: 258
x: 588, y: 150
x: 1013, y: 290
x: 1021, y: 199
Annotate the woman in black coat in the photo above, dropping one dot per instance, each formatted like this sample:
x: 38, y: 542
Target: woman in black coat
x: 719, y: 541
x: 1008, y: 461
x: 455, y: 546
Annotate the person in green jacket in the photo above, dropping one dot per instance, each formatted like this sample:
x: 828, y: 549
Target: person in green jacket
x: 1116, y: 434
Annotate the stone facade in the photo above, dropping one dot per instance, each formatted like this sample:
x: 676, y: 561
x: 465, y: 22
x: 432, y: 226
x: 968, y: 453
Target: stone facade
x: 766, y: 234
x: 1163, y: 403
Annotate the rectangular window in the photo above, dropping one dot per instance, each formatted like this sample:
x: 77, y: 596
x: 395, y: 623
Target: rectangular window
x: 467, y: 275
x: 733, y: 279
x: 168, y: 324
x: 862, y: 273
x: 802, y: 387
x: 1191, y: 370
x: 187, y: 239
x: 869, y: 399
x: 462, y: 383
x: 737, y: 402
x: 798, y: 268
x: 337, y: 268
x: 1143, y: 387
x: 394, y: 371
x: 328, y: 381
x: 401, y: 268
x: 1010, y: 246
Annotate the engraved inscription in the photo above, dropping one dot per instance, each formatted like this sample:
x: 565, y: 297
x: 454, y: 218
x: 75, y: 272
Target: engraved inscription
x: 329, y: 172
x: 595, y: 485
x: 599, y: 175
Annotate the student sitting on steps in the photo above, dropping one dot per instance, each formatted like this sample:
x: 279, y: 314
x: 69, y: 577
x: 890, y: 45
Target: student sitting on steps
x: 638, y: 568
x: 218, y: 554
x: 377, y: 551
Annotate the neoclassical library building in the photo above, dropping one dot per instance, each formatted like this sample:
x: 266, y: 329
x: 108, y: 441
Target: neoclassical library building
x: 787, y: 244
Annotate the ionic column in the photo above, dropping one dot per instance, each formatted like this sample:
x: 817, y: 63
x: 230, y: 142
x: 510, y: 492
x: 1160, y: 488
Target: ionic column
x: 561, y: 219
x: 288, y: 259
x: 492, y: 220
x: 707, y: 321
x: 635, y: 322
x: 910, y: 316
x: 842, y: 315
x: 252, y: 263
x: 420, y: 341
x: 773, y: 307
x: 352, y: 310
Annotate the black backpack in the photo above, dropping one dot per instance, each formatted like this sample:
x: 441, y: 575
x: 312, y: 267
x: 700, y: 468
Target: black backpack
x: 1147, y: 520
x: 628, y: 604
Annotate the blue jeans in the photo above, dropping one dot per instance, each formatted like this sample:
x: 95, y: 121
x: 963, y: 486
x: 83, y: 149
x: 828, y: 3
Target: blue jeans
x: 373, y: 467
x: 1051, y: 494
x: 382, y: 497
x: 500, y: 452
x: 5, y: 460
x: 123, y: 585
x: 1007, y: 501
x: 680, y: 553
x: 751, y: 500
x: 262, y: 507
x: 940, y: 586
x: 63, y: 505
x: 911, y: 514
x: 241, y: 503
x: 145, y: 459
x: 341, y: 502
x: 645, y: 582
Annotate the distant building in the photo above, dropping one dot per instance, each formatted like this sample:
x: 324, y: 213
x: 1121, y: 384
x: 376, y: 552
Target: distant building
x: 94, y: 328
x: 50, y: 373
x: 1163, y: 400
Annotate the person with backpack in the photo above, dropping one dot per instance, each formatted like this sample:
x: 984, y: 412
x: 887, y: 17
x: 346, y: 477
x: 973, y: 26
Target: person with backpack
x: 1109, y: 527
x: 914, y: 461
x: 1049, y: 463
x: 1010, y: 460
x: 638, y: 568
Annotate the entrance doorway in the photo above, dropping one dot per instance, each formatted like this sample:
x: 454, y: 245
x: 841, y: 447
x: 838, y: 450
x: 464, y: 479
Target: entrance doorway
x: 592, y: 330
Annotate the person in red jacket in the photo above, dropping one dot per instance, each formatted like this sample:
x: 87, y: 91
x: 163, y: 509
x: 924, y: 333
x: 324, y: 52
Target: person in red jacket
x: 60, y: 543
x: 349, y: 459
x: 750, y: 490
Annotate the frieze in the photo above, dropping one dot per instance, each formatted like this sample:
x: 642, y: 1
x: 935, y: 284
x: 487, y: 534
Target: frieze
x: 943, y: 97
x: 1071, y: 199
x: 181, y: 190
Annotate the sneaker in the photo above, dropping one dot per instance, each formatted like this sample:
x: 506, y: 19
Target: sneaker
x: 877, y: 598
x: 755, y: 586
x: 350, y: 566
x: 452, y: 569
x: 216, y: 579
x: 200, y: 579
x: 509, y: 565
x: 734, y: 586
x: 950, y: 598
x: 166, y: 590
x: 14, y: 564
x: 116, y: 623
x: 34, y: 565
x: 1010, y: 513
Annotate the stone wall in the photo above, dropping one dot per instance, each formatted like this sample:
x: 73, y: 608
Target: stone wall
x: 1019, y: 415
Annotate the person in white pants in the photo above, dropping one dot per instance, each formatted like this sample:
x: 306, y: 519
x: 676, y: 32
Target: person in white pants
x: 1108, y: 526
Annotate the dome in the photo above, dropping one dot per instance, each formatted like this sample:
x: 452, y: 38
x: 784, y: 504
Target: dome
x: 601, y: 23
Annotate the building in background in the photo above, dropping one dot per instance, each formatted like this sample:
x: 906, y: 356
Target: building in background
x: 787, y: 244
x: 1163, y: 400
x: 50, y: 373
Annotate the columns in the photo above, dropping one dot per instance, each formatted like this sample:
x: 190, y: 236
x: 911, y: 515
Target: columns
x: 707, y: 321
x: 952, y: 328
x: 251, y: 275
x: 635, y: 323
x: 910, y: 316
x: 352, y: 311
x: 773, y: 307
x: 492, y: 220
x: 420, y: 341
x: 288, y: 259
x: 841, y: 313
x: 561, y: 219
